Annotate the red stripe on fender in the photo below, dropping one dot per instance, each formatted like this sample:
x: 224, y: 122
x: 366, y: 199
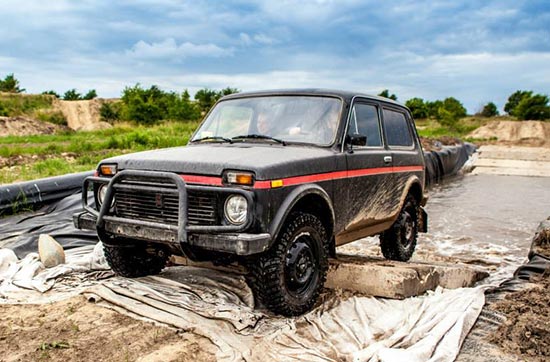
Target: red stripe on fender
x: 203, y: 180
x: 262, y: 184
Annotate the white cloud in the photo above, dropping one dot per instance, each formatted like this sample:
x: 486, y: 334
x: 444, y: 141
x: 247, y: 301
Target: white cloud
x: 245, y: 39
x: 169, y: 48
x: 260, y: 39
x: 264, y: 39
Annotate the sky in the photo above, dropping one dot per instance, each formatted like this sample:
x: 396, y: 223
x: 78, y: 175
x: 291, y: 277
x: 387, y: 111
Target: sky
x: 475, y: 51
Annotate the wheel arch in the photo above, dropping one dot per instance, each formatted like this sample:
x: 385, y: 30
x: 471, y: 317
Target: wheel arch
x: 310, y: 199
x: 413, y: 186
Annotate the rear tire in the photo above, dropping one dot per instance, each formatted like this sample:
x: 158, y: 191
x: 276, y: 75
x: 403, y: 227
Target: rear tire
x: 135, y: 261
x: 399, y: 241
x: 288, y: 278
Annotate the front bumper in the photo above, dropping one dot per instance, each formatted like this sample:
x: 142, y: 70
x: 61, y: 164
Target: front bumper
x: 225, y: 238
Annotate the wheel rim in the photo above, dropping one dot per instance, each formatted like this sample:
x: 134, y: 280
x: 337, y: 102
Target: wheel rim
x: 300, y: 265
x: 407, y: 228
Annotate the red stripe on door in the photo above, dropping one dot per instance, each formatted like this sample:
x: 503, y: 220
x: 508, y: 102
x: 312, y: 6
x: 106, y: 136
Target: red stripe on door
x: 297, y: 180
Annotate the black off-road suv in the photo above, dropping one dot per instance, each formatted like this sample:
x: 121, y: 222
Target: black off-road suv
x: 274, y: 180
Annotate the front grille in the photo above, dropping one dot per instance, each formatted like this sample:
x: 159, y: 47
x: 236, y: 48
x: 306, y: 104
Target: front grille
x: 162, y: 207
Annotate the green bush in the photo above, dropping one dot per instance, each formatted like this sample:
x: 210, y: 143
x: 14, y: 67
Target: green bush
x: 148, y: 106
x: 454, y: 106
x: 534, y: 107
x: 72, y: 95
x: 110, y: 111
x: 514, y: 100
x: 208, y: 97
x: 386, y: 94
x: 418, y: 108
x: 447, y: 118
x: 433, y: 108
x: 90, y: 95
x: 55, y: 117
x: 3, y: 110
x: 489, y: 110
x: 10, y: 85
x: 52, y: 93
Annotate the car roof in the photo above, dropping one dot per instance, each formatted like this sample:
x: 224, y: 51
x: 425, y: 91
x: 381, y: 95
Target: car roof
x: 346, y: 95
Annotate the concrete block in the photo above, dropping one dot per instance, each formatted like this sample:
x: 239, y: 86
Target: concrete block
x: 50, y: 251
x: 379, y: 277
x: 397, y: 280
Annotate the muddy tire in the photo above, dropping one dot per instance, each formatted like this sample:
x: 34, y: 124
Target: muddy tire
x: 399, y: 241
x: 135, y: 261
x: 288, y: 278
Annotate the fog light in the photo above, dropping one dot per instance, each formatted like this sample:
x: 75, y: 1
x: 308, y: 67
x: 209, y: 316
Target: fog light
x: 101, y: 194
x: 236, y: 209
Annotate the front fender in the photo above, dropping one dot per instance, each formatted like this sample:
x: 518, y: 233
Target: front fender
x: 290, y: 202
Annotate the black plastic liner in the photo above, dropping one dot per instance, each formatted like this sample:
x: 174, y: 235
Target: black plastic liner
x: 446, y: 162
x: 20, y: 232
x: 33, y: 194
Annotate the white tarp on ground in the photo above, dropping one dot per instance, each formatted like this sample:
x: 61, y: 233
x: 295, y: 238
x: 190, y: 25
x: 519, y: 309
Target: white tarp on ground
x: 221, y: 308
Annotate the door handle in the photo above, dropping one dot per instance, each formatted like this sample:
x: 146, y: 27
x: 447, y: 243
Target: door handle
x: 388, y: 159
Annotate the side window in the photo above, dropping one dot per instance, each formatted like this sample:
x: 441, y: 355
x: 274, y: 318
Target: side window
x: 397, y: 130
x: 364, y: 120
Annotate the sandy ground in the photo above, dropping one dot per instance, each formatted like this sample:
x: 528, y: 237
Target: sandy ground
x: 22, y: 126
x: 82, y: 115
x: 512, y: 160
x: 78, y: 330
x: 519, y: 133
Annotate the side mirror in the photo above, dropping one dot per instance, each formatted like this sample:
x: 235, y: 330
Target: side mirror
x: 356, y: 139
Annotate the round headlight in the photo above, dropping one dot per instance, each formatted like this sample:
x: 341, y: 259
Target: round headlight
x: 101, y: 193
x: 236, y: 208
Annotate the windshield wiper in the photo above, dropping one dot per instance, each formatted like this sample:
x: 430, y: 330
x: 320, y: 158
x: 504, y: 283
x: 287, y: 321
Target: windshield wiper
x: 217, y: 138
x: 259, y: 137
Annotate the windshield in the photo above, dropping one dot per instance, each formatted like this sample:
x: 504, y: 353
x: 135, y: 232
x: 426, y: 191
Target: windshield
x: 305, y: 119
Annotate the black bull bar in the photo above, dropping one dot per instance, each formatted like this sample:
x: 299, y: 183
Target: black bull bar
x: 167, y: 233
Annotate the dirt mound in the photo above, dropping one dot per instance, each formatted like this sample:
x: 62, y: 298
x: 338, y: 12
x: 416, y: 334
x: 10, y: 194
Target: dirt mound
x: 82, y: 115
x: 528, y: 133
x: 22, y: 126
x: 526, y: 331
x: 78, y: 330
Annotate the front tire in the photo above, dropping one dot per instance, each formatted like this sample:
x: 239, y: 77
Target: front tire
x: 288, y: 278
x: 136, y: 260
x: 399, y: 241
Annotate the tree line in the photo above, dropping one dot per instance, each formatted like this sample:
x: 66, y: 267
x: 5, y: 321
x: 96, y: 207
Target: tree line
x: 149, y: 105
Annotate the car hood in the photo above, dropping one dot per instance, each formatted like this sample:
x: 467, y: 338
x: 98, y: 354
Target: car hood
x: 266, y: 160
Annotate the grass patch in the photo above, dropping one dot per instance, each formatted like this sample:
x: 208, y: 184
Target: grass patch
x: 69, y: 152
x: 55, y: 117
x: 24, y: 104
x: 430, y: 128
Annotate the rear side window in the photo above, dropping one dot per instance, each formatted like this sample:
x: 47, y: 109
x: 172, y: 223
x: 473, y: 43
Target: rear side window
x: 397, y: 129
x: 364, y: 121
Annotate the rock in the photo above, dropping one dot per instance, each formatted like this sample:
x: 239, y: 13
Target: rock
x: 541, y: 242
x: 7, y: 257
x: 50, y: 251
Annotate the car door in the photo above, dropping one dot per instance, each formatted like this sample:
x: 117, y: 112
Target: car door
x: 405, y: 150
x: 369, y: 170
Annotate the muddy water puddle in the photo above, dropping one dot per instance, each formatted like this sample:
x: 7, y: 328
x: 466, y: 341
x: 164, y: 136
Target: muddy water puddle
x: 482, y: 220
